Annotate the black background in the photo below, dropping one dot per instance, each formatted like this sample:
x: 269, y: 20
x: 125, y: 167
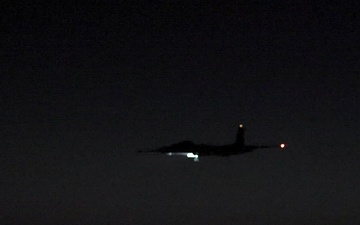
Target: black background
x: 87, y: 84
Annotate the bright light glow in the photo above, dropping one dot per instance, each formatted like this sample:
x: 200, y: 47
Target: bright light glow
x: 282, y: 145
x: 241, y: 125
x: 192, y: 155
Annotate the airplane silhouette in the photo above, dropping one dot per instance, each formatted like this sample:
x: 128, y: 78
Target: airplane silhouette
x: 194, y: 151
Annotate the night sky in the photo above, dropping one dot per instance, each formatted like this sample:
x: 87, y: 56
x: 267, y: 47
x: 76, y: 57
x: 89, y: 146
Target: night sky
x: 85, y: 85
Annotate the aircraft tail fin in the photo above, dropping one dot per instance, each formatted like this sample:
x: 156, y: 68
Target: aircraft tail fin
x: 240, y: 140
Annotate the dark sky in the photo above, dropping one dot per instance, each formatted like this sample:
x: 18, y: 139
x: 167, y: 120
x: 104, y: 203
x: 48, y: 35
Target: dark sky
x: 84, y: 86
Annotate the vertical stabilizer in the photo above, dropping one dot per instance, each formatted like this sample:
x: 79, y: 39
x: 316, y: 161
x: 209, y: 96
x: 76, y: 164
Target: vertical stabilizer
x: 240, y: 140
